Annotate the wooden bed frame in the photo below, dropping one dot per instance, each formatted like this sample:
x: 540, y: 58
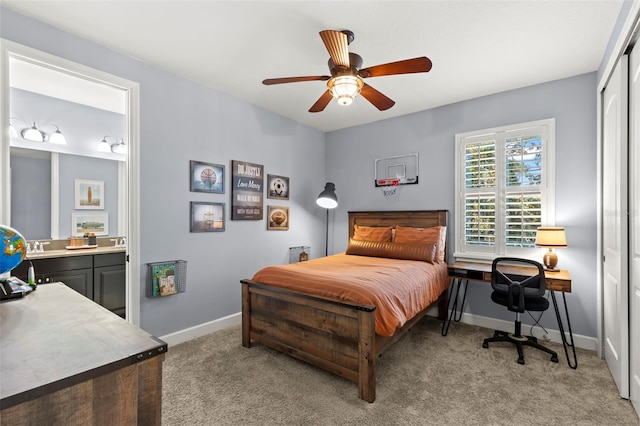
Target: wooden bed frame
x: 334, y: 335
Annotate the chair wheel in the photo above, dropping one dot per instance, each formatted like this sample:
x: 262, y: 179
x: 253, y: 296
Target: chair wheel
x: 521, y: 361
x: 485, y: 345
x: 554, y: 358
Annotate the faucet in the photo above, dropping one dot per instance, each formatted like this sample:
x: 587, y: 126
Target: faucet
x: 42, y: 244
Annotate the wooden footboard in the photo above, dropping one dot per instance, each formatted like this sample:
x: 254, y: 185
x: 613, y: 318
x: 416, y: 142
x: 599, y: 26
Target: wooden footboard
x: 334, y: 335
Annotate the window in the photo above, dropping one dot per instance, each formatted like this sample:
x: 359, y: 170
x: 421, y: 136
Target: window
x: 504, y: 187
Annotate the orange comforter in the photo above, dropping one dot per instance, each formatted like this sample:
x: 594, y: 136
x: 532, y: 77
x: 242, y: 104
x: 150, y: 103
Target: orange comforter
x: 399, y: 289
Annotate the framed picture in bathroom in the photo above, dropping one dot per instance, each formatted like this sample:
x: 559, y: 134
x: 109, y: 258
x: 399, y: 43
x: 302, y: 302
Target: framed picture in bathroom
x: 81, y: 223
x: 207, y: 217
x: 89, y: 194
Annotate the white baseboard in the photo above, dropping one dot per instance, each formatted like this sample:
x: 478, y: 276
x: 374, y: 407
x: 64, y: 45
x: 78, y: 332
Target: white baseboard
x: 584, y: 342
x: 580, y: 341
x: 202, y: 329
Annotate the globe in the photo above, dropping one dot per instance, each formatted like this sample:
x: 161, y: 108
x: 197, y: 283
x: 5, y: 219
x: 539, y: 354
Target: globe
x: 13, y: 248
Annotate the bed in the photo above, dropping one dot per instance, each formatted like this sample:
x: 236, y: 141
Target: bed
x: 339, y: 332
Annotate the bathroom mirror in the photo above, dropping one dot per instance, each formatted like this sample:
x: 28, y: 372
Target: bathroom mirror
x: 44, y: 174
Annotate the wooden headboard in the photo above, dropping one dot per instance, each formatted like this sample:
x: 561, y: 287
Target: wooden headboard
x: 413, y: 218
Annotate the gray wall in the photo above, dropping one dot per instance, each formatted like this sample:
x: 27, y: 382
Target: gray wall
x: 182, y: 121
x: 351, y: 153
x: 31, y: 195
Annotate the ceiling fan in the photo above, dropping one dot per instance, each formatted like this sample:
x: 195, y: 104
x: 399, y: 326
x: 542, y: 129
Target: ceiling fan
x: 347, y: 74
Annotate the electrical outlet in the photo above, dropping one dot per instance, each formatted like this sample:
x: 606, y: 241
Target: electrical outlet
x: 545, y: 337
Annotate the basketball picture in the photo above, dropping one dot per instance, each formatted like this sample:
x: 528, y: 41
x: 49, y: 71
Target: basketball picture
x: 207, y: 177
x: 278, y: 187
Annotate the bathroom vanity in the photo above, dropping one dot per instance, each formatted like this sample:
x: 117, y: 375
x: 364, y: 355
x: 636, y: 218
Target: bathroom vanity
x: 97, y: 273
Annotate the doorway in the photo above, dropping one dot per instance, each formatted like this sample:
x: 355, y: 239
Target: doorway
x: 128, y: 170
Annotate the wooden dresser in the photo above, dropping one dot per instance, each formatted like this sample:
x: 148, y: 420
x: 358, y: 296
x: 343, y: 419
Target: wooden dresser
x: 65, y: 360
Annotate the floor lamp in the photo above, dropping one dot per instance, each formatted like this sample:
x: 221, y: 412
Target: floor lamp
x: 327, y: 200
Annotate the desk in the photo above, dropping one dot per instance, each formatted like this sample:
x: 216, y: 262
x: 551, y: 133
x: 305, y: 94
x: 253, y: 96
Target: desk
x: 67, y: 360
x: 476, y: 271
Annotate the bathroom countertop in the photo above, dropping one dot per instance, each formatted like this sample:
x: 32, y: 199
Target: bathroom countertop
x: 76, y: 252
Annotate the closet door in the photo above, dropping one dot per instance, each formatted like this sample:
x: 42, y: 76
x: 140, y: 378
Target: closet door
x: 634, y: 234
x: 615, y: 227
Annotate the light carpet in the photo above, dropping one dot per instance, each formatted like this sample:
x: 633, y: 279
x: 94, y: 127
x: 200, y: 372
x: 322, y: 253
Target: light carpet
x: 424, y: 379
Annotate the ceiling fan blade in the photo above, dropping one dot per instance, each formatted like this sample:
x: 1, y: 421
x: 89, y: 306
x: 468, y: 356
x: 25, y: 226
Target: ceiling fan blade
x: 322, y: 102
x: 270, y: 81
x: 337, y: 44
x: 408, y: 66
x: 378, y: 100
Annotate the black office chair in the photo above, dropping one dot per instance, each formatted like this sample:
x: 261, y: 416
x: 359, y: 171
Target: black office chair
x: 518, y: 293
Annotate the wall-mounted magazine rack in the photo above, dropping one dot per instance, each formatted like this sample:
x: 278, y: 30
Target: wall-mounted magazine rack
x: 299, y: 254
x: 166, y: 278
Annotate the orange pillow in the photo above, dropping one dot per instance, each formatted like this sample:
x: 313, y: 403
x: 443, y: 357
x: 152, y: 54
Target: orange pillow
x: 372, y: 233
x: 422, y: 252
x: 435, y: 234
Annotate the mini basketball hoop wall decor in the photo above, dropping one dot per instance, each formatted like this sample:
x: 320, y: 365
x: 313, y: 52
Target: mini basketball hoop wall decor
x: 390, y: 172
x: 389, y: 186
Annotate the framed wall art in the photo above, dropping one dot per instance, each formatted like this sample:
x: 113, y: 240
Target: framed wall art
x: 89, y: 194
x: 277, y: 218
x: 206, y: 177
x: 277, y: 187
x: 81, y: 223
x: 207, y: 217
x: 247, y: 191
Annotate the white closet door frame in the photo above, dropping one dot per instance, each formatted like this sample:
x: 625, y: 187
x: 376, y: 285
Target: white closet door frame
x: 634, y: 227
x: 615, y: 279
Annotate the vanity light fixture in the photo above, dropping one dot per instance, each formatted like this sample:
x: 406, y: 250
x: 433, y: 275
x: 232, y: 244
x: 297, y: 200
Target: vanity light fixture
x: 37, y: 135
x: 104, y: 146
x: 33, y: 134
x: 119, y: 148
x: 56, y: 137
x: 13, y: 132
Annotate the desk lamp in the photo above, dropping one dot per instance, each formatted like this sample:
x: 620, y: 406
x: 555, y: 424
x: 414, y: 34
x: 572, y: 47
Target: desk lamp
x: 328, y: 200
x: 551, y: 237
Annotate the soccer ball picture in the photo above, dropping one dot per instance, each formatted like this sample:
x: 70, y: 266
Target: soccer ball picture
x: 278, y: 187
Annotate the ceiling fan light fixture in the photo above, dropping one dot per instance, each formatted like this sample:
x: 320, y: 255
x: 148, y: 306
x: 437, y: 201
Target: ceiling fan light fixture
x: 344, y: 88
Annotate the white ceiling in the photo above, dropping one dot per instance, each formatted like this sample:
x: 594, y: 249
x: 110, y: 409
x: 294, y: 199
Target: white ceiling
x: 477, y: 47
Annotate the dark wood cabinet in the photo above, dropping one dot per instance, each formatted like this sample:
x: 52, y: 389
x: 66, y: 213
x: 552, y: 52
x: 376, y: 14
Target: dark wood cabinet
x: 81, y: 280
x: 109, y: 278
x: 100, y: 277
